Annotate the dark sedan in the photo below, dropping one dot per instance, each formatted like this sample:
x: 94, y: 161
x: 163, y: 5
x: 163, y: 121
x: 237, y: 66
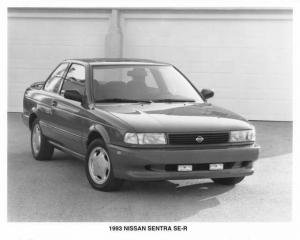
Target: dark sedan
x: 133, y: 119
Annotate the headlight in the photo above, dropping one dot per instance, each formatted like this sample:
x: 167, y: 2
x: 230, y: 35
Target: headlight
x: 131, y: 138
x: 242, y: 136
x: 145, y: 138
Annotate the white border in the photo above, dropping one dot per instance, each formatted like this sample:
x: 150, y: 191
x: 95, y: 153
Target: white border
x: 173, y: 4
x: 32, y: 231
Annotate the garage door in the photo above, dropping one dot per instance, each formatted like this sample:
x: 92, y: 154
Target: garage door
x: 246, y: 60
x: 37, y: 44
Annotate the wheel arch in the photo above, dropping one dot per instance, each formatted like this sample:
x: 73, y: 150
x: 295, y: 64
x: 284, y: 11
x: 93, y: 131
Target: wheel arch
x: 97, y: 132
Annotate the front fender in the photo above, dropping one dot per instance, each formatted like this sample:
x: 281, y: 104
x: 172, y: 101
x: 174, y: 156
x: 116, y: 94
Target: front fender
x: 109, y: 134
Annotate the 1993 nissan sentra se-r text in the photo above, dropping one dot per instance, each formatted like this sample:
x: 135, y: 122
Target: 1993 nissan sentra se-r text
x: 133, y: 119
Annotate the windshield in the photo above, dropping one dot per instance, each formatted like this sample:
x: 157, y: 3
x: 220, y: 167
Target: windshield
x: 147, y: 83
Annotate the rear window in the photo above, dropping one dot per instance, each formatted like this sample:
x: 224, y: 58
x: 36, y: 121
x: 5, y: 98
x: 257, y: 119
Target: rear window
x: 75, y: 79
x: 54, y: 81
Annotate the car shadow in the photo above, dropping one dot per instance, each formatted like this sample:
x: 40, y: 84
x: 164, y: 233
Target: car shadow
x: 61, y: 156
x: 167, y: 200
x: 178, y: 186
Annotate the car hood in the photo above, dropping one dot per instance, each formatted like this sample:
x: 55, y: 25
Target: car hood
x: 175, y: 117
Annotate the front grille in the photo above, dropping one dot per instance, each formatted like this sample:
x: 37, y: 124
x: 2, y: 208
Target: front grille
x: 190, y: 139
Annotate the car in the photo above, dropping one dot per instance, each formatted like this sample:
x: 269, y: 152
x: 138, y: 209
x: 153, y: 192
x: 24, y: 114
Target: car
x: 136, y: 119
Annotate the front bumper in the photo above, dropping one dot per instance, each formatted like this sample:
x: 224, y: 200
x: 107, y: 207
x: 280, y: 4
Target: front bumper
x: 135, y: 164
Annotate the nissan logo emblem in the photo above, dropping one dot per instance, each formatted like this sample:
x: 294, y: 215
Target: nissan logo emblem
x: 199, y: 139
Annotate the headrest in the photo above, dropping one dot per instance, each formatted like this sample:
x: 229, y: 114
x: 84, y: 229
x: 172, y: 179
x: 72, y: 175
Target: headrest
x: 137, y: 72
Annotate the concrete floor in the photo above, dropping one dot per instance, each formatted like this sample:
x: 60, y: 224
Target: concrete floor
x: 57, y: 190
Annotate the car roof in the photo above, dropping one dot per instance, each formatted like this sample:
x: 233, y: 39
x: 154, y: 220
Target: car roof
x: 116, y: 61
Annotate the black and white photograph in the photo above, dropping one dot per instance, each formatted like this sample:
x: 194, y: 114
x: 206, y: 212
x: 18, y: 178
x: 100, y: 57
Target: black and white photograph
x: 136, y: 116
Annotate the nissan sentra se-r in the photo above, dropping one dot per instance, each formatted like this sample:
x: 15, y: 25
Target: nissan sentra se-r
x: 133, y: 119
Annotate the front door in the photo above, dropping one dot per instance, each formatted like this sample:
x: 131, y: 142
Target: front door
x: 48, y: 95
x: 67, y: 114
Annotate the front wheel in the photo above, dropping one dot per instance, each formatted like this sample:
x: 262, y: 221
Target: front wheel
x: 228, y: 181
x: 99, y: 169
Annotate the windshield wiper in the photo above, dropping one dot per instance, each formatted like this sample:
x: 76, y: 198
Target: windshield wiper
x: 173, y: 100
x: 122, y: 100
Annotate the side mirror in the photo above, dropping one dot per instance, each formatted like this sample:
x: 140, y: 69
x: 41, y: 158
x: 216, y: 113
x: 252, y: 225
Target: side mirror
x: 207, y: 93
x: 73, y: 95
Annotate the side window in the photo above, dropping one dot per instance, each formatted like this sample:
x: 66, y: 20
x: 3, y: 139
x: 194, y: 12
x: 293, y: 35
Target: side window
x: 75, y: 79
x: 54, y: 81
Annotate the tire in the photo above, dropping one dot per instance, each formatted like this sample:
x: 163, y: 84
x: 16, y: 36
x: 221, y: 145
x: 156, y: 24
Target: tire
x: 41, y: 149
x: 99, y: 169
x: 228, y: 181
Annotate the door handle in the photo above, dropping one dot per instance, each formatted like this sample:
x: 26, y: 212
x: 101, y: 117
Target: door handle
x: 54, y: 103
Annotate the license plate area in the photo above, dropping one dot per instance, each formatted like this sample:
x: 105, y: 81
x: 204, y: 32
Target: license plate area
x: 184, y: 168
x: 216, y: 166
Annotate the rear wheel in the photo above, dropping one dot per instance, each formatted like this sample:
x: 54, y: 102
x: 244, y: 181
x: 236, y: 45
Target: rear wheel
x: 41, y: 149
x: 99, y: 169
x: 228, y: 181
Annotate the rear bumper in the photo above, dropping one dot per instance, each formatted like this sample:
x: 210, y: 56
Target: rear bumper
x: 133, y: 164
x: 25, y: 119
